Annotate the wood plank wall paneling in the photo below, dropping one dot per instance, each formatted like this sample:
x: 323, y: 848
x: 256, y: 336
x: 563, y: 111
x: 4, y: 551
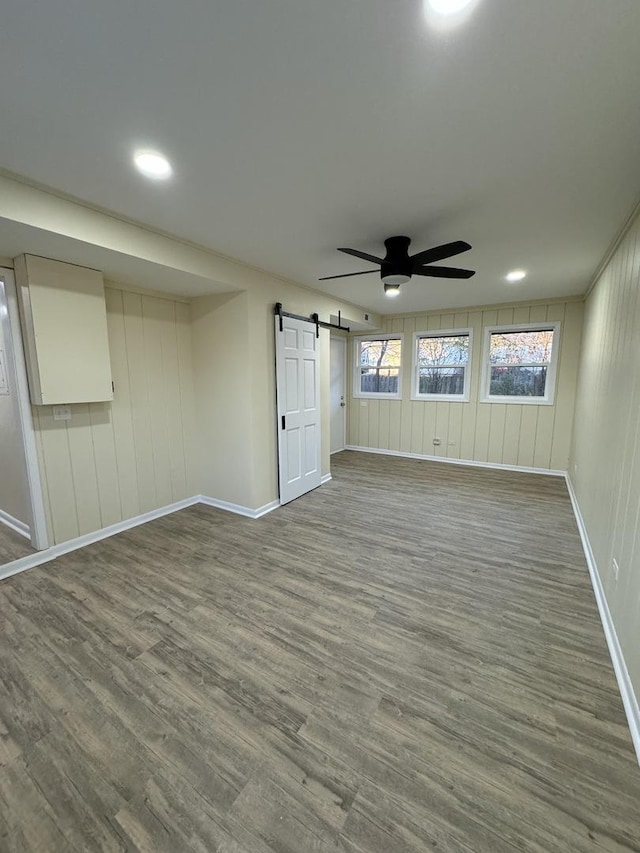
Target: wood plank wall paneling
x: 605, y: 463
x: 510, y: 434
x: 113, y: 461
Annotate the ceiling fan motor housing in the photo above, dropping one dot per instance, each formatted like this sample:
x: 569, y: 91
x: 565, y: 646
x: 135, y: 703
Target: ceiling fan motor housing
x: 397, y: 267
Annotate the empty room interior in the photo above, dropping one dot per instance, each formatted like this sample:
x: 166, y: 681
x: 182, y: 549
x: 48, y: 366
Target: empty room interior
x: 320, y: 426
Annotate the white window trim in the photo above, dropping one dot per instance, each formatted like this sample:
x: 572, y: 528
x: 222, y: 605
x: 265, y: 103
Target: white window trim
x: 392, y: 336
x: 442, y: 398
x: 550, y: 388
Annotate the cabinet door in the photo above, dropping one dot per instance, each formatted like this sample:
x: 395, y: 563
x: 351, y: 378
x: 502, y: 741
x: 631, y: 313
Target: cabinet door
x: 65, y: 331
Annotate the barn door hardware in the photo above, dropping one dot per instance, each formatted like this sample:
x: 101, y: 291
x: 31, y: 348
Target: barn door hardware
x: 313, y: 318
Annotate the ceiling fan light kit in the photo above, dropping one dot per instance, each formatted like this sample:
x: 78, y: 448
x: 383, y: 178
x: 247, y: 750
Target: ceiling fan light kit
x: 395, y: 280
x: 398, y: 267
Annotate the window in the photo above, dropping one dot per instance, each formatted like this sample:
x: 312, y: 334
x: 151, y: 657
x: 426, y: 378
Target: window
x: 378, y: 367
x: 520, y: 364
x: 441, y: 366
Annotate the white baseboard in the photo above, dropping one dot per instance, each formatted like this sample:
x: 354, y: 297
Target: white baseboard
x: 238, y: 509
x: 629, y: 698
x: 325, y: 479
x: 55, y: 551
x: 89, y: 538
x: 15, y: 525
x: 467, y: 462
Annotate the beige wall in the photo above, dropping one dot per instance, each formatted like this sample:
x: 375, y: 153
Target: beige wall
x: 526, y: 435
x: 605, y: 462
x: 14, y: 495
x: 222, y: 377
x: 116, y: 460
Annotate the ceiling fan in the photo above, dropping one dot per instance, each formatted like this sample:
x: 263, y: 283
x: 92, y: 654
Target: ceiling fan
x: 397, y: 267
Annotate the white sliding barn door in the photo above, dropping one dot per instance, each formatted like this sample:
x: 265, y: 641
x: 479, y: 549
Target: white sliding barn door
x: 298, y: 391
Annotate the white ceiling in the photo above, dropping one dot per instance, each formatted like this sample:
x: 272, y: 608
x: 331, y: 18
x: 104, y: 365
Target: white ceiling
x: 17, y: 238
x: 296, y: 127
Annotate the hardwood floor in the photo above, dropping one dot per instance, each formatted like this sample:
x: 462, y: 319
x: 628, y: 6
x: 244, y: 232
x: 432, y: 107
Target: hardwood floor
x: 407, y: 659
x: 12, y: 545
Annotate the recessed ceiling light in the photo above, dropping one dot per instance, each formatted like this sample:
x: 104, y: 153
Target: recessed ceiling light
x: 448, y: 7
x: 152, y: 164
x: 516, y: 275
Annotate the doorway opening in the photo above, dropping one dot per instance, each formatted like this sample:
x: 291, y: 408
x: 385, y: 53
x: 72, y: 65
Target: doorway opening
x: 338, y: 393
x: 22, y: 518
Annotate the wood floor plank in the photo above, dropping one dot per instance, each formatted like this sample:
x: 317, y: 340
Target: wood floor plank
x: 407, y: 659
x: 13, y: 546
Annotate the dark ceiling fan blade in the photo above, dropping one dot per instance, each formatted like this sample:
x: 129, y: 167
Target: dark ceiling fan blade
x: 444, y: 272
x: 347, y: 275
x: 363, y: 255
x: 439, y: 253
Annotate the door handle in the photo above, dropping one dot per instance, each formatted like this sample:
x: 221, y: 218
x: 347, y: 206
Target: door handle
x: 343, y: 405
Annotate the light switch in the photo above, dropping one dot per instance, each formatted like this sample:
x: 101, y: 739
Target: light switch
x: 62, y: 413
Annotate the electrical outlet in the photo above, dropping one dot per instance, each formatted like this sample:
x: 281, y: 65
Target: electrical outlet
x: 437, y: 442
x: 616, y: 569
x: 62, y: 413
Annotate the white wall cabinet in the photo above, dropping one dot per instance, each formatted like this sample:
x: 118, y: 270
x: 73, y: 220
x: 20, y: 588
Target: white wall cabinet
x: 64, y: 321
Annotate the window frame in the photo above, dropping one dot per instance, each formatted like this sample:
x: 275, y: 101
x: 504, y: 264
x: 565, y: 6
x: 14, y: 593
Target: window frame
x: 376, y: 395
x: 550, y: 386
x: 415, y: 377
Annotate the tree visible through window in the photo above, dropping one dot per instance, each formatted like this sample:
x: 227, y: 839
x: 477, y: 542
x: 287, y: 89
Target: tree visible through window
x: 442, y: 364
x: 379, y: 365
x: 519, y: 362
